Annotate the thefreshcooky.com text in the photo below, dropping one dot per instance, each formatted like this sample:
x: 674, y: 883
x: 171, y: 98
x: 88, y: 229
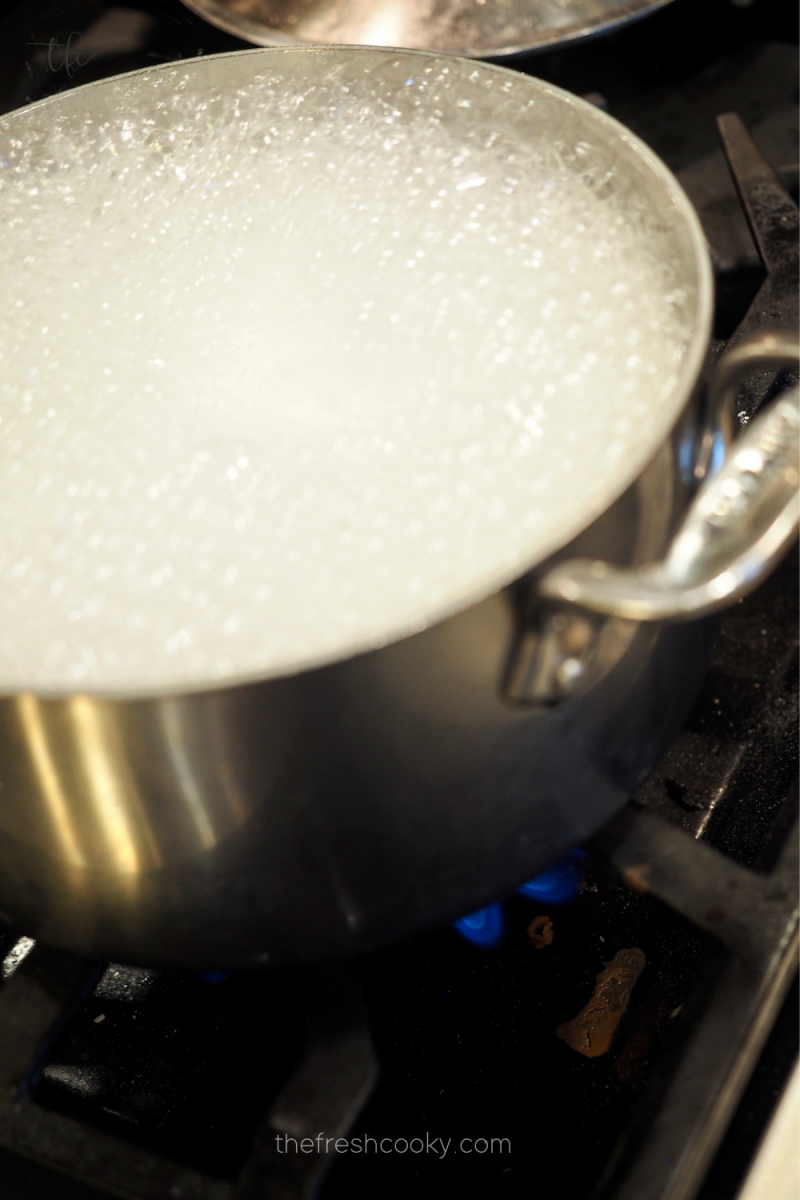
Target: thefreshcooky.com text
x: 321, y: 1144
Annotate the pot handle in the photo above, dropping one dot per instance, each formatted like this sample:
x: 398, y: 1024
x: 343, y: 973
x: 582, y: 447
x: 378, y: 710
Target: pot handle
x: 739, y: 523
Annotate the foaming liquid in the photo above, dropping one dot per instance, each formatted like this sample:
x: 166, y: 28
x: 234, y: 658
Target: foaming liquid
x: 289, y: 370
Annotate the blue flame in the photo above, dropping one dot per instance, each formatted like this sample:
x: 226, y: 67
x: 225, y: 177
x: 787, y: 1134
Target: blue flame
x: 558, y: 885
x: 484, y: 927
x: 215, y: 976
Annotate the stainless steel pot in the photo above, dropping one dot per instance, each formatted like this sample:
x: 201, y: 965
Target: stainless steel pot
x: 349, y: 804
x: 447, y: 26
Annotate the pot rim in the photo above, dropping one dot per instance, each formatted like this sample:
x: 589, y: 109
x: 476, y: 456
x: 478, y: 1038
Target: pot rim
x: 626, y: 12
x: 687, y: 376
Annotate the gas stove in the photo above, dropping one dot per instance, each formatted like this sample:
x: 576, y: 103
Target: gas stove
x: 621, y: 1029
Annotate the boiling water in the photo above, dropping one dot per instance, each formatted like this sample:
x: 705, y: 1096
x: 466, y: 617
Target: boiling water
x: 290, y: 370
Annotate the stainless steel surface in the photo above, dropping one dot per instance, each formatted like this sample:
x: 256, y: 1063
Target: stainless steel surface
x: 737, y: 528
x: 633, y: 186
x: 342, y: 808
x: 775, y: 1174
x: 742, y: 520
x: 322, y: 813
x: 560, y: 651
x: 473, y: 28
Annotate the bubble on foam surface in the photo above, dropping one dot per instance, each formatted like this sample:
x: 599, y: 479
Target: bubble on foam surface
x: 289, y: 369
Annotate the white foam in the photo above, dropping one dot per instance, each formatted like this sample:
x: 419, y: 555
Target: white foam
x: 290, y: 370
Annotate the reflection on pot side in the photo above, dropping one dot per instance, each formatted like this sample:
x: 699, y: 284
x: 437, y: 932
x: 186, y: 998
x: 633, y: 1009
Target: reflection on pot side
x: 93, y: 802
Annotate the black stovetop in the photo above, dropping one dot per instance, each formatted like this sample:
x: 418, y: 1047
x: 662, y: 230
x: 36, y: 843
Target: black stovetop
x: 186, y: 1066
